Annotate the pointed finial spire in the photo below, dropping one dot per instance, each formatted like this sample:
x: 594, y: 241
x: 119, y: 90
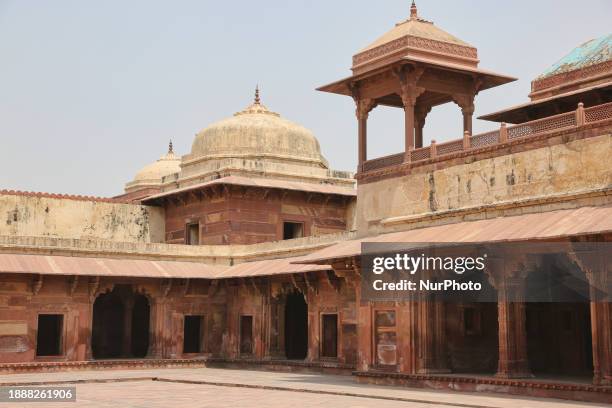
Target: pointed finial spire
x: 257, y: 100
x: 170, y: 148
x: 413, y: 11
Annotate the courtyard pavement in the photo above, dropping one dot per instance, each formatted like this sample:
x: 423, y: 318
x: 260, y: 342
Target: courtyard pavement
x: 212, y: 387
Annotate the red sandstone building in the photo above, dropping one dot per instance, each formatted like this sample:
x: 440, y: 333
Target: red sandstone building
x: 247, y: 250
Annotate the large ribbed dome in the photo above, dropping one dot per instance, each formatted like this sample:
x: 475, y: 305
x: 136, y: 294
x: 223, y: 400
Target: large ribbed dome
x: 257, y: 132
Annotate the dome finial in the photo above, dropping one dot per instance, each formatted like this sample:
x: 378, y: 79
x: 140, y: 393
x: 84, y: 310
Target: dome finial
x: 413, y: 11
x: 170, y: 148
x: 257, y: 100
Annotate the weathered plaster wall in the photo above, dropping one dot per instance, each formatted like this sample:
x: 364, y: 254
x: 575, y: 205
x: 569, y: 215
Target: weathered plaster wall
x: 575, y: 167
x: 27, y: 215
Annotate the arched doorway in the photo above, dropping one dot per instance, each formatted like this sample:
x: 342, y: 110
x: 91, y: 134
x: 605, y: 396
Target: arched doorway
x: 108, y: 325
x: 558, y: 331
x: 296, y: 327
x: 120, y: 325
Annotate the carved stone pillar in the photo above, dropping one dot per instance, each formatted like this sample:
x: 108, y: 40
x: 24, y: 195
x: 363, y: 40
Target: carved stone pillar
x: 513, y: 361
x: 507, y: 272
x: 432, y: 356
x: 407, y: 336
x: 466, y: 103
x: 89, y: 335
x: 601, y: 330
x: 156, y: 329
x: 409, y: 92
x: 364, y: 106
x: 420, y: 114
x: 409, y: 125
x: 126, y: 344
x: 597, y: 266
x: 365, y: 332
x: 467, y: 113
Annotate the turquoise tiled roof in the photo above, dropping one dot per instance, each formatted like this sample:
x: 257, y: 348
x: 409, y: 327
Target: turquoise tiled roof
x: 589, y: 53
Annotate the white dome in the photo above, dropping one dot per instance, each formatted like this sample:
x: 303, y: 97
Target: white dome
x: 152, y: 174
x: 257, y: 132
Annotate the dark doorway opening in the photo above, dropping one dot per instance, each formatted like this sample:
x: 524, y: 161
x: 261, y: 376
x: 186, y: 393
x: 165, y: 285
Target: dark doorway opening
x: 49, y: 337
x: 293, y: 230
x: 107, y: 331
x: 192, y: 334
x: 296, y: 327
x: 329, y: 348
x: 559, y: 338
x: 120, y: 324
x: 472, y: 334
x: 140, y: 326
x: 246, y: 335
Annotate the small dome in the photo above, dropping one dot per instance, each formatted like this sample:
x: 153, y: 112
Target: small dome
x: 153, y: 173
x: 257, y: 132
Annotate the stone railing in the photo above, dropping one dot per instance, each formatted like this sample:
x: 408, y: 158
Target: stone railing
x: 504, y: 134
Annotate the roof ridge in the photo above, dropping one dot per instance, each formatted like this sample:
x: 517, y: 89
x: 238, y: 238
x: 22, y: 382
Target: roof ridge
x: 75, y: 197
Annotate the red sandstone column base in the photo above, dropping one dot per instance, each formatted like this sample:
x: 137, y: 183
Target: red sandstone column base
x: 515, y: 369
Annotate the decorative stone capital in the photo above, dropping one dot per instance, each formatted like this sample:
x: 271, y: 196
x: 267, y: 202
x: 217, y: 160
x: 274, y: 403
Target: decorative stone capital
x: 465, y: 102
x: 408, y: 77
x: 420, y: 113
x: 364, y: 107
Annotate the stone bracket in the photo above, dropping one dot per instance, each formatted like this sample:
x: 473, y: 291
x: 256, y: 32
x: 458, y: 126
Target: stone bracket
x: 165, y: 287
x: 37, y: 283
x: 73, y: 282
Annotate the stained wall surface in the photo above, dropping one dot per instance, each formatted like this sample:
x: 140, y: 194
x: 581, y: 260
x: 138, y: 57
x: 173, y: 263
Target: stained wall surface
x: 31, y: 215
x: 576, y: 167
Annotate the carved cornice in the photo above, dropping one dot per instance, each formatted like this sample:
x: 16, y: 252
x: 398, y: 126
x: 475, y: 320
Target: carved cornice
x: 571, y: 76
x: 414, y: 42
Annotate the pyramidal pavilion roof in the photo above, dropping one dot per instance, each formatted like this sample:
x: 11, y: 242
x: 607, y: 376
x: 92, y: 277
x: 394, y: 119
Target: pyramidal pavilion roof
x: 416, y: 27
x: 418, y: 37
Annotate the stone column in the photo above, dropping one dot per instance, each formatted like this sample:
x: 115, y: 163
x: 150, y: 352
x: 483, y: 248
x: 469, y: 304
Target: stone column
x: 431, y: 338
x: 466, y: 103
x: 126, y: 345
x: 597, y: 266
x: 418, y: 134
x: 513, y: 361
x: 420, y: 113
x: 407, y: 336
x: 365, y: 332
x: 88, y: 348
x: 409, y: 125
x: 409, y: 91
x: 364, y: 106
x: 467, y: 112
x: 156, y: 329
x: 314, y: 329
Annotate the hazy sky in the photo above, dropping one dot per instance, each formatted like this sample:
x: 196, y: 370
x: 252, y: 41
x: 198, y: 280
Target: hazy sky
x: 91, y: 91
